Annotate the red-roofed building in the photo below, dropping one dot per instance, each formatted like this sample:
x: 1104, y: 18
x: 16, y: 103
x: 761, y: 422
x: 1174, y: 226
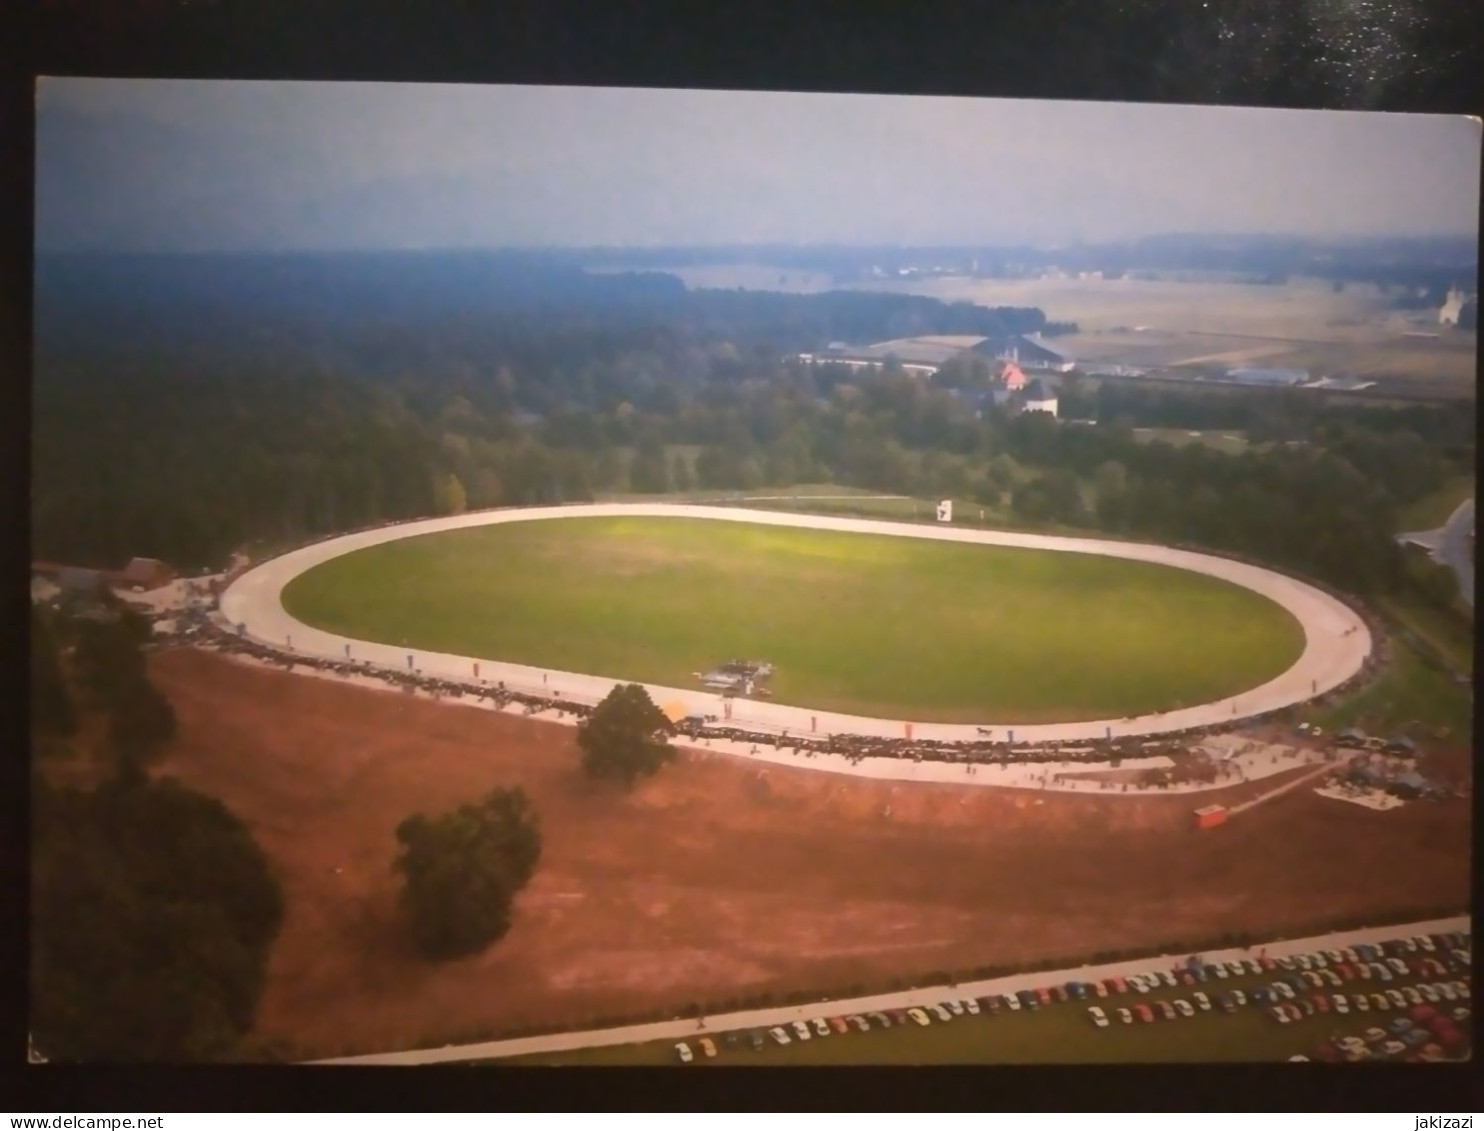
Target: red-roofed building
x: 1012, y: 377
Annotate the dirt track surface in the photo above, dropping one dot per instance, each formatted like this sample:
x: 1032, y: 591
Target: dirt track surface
x: 720, y: 879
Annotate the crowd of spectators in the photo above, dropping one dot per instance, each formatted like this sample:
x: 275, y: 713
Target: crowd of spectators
x: 196, y: 625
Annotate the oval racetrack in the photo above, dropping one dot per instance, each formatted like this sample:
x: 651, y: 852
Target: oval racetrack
x: 1337, y: 641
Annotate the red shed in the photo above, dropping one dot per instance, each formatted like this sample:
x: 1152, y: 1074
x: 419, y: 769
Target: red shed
x: 1210, y: 816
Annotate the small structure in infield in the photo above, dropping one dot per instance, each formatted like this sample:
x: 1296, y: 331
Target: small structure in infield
x: 738, y: 677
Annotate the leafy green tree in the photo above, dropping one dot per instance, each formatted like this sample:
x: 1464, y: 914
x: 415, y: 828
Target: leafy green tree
x: 462, y: 870
x: 626, y: 737
x: 140, y: 722
x: 649, y: 474
x: 680, y: 473
x: 52, y: 709
x: 450, y: 494
x: 152, y: 914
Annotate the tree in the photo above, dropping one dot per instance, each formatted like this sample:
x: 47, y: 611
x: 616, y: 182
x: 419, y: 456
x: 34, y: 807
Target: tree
x: 462, y: 870
x: 680, y: 473
x: 52, y: 710
x: 450, y: 495
x: 140, y: 722
x: 626, y: 736
x: 648, y: 473
x: 153, y: 911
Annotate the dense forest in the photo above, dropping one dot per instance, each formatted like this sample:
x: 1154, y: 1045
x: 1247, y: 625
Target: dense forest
x: 186, y: 406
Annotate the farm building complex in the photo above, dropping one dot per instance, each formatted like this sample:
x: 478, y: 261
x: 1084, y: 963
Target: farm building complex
x: 926, y: 355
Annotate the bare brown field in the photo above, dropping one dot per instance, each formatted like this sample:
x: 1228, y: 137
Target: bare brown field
x: 720, y: 878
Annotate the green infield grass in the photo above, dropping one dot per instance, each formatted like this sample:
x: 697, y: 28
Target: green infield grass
x: 876, y: 625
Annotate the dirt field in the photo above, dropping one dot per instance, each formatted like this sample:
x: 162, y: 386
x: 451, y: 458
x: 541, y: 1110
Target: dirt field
x: 717, y: 879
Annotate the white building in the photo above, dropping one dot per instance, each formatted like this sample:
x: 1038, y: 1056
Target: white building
x: 1452, y: 307
x: 1038, y: 398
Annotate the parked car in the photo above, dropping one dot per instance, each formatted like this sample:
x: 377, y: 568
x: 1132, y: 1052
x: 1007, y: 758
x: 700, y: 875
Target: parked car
x: 1075, y: 991
x: 1099, y: 989
x: 1166, y: 1010
x: 1278, y: 1014
x: 954, y: 1007
x: 1043, y: 995
x: 1380, y: 1001
x: 1347, y: 1043
x: 821, y: 1027
x: 1143, y: 1012
x: 1226, y: 1002
x: 1396, y: 999
x: 1124, y: 1015
x: 1397, y: 965
x: 801, y: 1031
x: 1118, y: 984
x: 755, y: 1038
x: 1202, y: 1002
x: 838, y: 1025
x: 1331, y: 978
x: 898, y: 1016
x: 1259, y: 995
x: 682, y: 1050
x: 1099, y: 1018
x: 1398, y: 1025
x: 1447, y: 991
x: 1185, y: 1008
x: 918, y: 1016
x: 1318, y: 961
x: 1321, y: 1003
x: 708, y: 1046
x: 880, y: 1019
x: 990, y: 1004
x: 1264, y: 963
x: 1360, y: 1003
x: 1460, y: 1013
x: 1185, y: 977
x: 861, y: 1024
x: 940, y: 1013
x: 1412, y: 994
x: 1012, y: 1003
x: 1312, y: 978
x: 1239, y: 997
x: 1341, y: 1003
x: 1306, y: 1006
x: 1373, y: 1034
x: 1415, y: 1037
x: 971, y: 1006
x: 1392, y: 1048
x: 1424, y: 943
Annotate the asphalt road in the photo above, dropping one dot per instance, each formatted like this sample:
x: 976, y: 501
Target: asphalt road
x: 688, y: 1029
x: 1453, y: 548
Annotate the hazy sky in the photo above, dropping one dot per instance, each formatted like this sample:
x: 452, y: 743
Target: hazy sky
x: 186, y: 165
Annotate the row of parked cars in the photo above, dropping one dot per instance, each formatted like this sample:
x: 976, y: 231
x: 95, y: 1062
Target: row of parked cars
x: 820, y: 1027
x: 1290, y: 996
x: 1425, y: 1034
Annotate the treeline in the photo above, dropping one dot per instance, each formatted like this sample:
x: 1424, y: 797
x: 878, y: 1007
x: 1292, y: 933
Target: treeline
x: 152, y: 908
x: 270, y: 424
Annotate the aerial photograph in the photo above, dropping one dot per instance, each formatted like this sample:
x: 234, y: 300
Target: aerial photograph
x: 587, y: 576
